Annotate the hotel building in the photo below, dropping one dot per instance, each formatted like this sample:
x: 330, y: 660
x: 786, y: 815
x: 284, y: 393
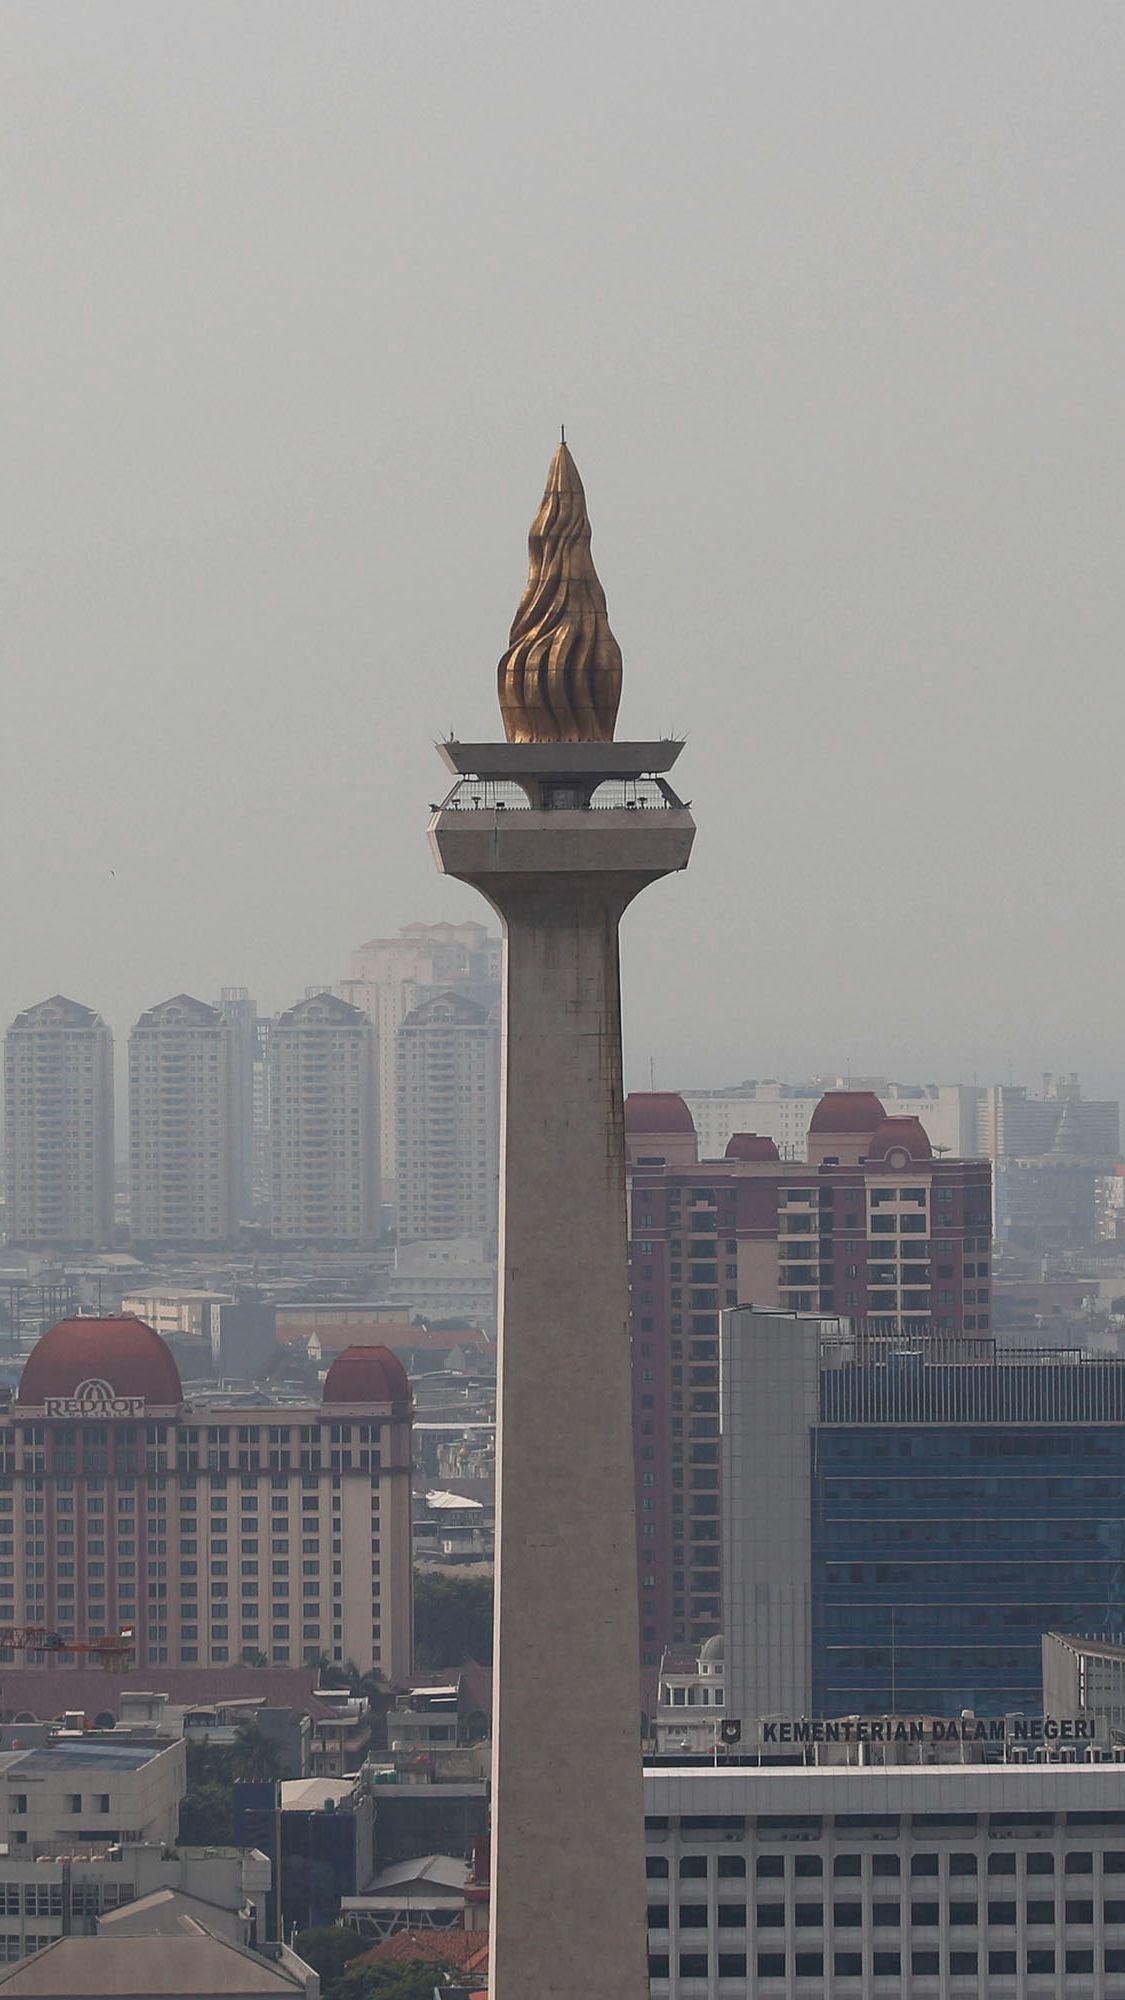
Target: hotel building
x: 212, y: 1532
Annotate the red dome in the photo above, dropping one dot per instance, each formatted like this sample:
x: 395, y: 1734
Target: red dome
x: 751, y: 1146
x: 907, y: 1133
x: 124, y: 1352
x: 847, y: 1111
x: 367, y: 1375
x: 659, y: 1111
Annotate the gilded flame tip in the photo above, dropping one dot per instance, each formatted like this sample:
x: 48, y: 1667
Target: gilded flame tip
x: 560, y: 679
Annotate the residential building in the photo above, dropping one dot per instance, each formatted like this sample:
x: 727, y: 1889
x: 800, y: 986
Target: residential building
x: 192, y: 1964
x: 210, y: 1531
x: 448, y: 1120
x: 58, y: 1126
x: 905, y: 1517
x: 918, y: 1882
x: 323, y: 1124
x: 783, y: 1112
x: 390, y: 976
x: 185, y: 1135
x: 871, y: 1225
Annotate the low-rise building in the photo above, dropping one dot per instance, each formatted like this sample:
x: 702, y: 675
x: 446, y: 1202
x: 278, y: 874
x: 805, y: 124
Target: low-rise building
x: 72, y: 1894
x: 194, y: 1965
x: 77, y: 1793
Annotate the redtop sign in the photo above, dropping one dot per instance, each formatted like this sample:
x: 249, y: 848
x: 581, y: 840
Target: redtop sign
x: 95, y: 1399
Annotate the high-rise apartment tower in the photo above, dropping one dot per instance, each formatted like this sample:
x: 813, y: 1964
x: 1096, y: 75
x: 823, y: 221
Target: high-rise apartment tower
x: 448, y: 1119
x: 58, y: 1126
x: 185, y: 1109
x: 323, y: 1128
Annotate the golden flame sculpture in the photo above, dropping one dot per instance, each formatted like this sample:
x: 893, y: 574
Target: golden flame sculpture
x: 560, y: 679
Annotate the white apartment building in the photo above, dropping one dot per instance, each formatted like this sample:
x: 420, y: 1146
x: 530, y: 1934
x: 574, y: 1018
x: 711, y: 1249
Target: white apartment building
x: 58, y: 1126
x: 323, y: 1124
x: 932, y: 1882
x: 783, y: 1112
x: 391, y: 975
x: 185, y: 1109
x: 448, y: 1120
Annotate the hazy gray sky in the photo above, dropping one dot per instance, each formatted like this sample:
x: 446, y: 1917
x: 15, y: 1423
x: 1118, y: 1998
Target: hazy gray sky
x: 832, y: 300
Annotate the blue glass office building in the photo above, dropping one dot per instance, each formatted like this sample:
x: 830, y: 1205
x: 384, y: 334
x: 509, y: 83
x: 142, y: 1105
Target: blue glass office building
x: 960, y: 1504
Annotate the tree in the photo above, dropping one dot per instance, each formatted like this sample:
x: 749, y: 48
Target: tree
x: 452, y: 1618
x: 328, y: 1950
x: 205, y: 1815
x: 391, y: 1982
x: 254, y: 1758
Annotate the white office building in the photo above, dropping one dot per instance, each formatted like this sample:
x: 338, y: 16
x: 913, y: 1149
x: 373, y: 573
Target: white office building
x: 923, y: 1882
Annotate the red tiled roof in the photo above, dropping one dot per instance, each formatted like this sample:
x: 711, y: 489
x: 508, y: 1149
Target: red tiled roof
x: 465, y: 1951
x: 121, y: 1351
x: 847, y: 1111
x: 657, y: 1111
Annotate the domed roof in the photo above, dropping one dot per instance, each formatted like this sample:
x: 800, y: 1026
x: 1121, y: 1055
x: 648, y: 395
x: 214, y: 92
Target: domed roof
x: 123, y: 1353
x: 906, y: 1134
x: 847, y: 1111
x: 658, y: 1111
x: 367, y: 1375
x: 751, y: 1146
x: 713, y: 1648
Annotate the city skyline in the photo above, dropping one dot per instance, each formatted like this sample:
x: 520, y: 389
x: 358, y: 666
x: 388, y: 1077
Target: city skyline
x: 838, y: 352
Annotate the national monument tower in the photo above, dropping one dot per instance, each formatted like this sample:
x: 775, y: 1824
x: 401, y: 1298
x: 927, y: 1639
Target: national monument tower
x: 560, y: 827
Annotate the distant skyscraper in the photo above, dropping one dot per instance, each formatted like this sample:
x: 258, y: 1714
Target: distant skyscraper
x: 58, y: 1125
x: 185, y: 1135
x: 391, y: 975
x: 240, y: 1012
x: 323, y: 1130
x: 448, y: 1119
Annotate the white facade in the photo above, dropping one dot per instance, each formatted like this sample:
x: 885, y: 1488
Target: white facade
x: 47, y: 1899
x: 58, y: 1126
x: 935, y: 1883
x: 783, y: 1112
x: 448, y: 1120
x: 323, y: 1124
x: 389, y: 978
x: 185, y: 1109
x: 77, y: 1793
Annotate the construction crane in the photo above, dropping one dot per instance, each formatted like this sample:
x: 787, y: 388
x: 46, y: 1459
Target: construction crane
x: 112, y: 1653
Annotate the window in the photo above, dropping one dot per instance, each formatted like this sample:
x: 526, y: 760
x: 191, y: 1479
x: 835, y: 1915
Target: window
x: 656, y: 1866
x: 770, y: 1916
x: 1040, y: 1913
x: 657, y: 1965
x: 1114, y: 1959
x: 923, y: 1864
x: 1001, y: 1913
x: 962, y: 1864
x: 924, y: 1962
x: 847, y: 1864
x: 1001, y: 1961
x: 1040, y: 1864
x: 693, y: 1866
x: 1113, y: 1911
x: 808, y: 1864
x: 924, y: 1913
x: 962, y: 1962
x: 809, y: 1964
x: 884, y: 1864
x: 1079, y: 1910
x: 886, y: 1964
x: 732, y: 1916
x: 962, y: 1913
x: 1079, y: 1864
x: 847, y: 1916
x: 693, y: 1916
x: 658, y: 1916
x: 769, y: 1864
x: 693, y: 1965
x: 885, y: 1916
x: 1040, y: 1961
x: 1080, y: 1961
x: 729, y: 1864
x: 771, y: 1965
x: 1001, y: 1864
x: 848, y: 1965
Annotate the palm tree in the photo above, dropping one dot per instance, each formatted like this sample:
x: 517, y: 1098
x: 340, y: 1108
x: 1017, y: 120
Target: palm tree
x: 254, y: 1758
